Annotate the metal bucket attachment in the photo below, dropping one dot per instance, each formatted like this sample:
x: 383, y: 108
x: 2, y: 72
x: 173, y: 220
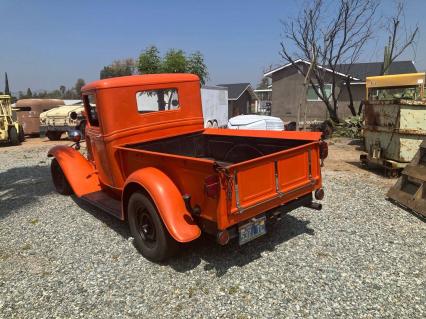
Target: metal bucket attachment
x: 410, y: 189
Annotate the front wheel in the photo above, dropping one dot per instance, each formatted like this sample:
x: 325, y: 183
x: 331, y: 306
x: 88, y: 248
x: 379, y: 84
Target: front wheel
x: 59, y: 179
x: 13, y: 136
x: 54, y: 135
x: 150, y: 235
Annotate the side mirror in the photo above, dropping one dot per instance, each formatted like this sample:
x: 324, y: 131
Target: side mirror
x: 74, y: 135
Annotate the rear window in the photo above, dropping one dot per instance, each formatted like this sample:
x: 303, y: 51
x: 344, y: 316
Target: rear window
x: 157, y: 100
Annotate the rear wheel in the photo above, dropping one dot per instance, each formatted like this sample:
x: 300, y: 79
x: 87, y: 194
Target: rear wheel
x: 59, y: 179
x: 13, y: 136
x: 53, y: 135
x: 150, y: 235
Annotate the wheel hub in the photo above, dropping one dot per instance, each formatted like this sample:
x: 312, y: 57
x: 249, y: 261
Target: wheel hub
x: 146, y: 227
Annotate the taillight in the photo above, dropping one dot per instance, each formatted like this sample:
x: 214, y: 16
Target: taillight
x: 222, y: 237
x: 212, y: 186
x: 323, y: 149
x: 319, y: 194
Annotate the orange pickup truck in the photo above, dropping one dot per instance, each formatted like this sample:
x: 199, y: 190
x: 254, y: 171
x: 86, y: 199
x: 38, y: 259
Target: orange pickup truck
x: 151, y: 163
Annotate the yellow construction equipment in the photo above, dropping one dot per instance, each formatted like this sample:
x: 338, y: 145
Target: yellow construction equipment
x: 395, y: 120
x: 397, y: 83
x: 10, y: 130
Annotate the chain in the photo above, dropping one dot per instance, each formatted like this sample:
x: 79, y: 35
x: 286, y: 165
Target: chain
x: 226, y: 180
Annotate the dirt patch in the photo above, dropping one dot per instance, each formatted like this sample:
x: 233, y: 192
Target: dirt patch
x: 32, y: 142
x: 343, y: 156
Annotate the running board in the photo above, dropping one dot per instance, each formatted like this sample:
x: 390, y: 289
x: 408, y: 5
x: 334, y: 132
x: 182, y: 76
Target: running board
x: 104, y: 202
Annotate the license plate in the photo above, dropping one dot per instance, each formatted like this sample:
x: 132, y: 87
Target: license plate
x: 252, y: 230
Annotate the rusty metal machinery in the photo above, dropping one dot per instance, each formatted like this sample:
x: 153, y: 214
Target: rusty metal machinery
x: 395, y: 120
x: 410, y: 189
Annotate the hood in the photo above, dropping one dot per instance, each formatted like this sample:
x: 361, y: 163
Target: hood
x: 62, y: 110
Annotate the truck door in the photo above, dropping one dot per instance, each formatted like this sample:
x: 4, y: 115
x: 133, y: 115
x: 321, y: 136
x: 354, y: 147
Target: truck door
x: 95, y: 141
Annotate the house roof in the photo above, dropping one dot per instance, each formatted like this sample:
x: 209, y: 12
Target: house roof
x: 235, y: 90
x: 306, y: 62
x: 359, y: 71
x: 363, y: 70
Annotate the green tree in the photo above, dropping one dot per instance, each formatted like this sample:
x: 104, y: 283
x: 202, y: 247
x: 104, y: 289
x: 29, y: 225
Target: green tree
x: 174, y: 61
x: 149, y: 61
x: 196, y: 65
x: 29, y: 94
x: 118, y: 68
x: 78, y: 85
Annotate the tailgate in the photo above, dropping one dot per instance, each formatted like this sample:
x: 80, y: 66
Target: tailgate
x: 275, y: 178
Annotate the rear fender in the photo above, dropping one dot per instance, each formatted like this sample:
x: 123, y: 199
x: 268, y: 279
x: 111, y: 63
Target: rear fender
x: 80, y: 173
x: 167, y: 199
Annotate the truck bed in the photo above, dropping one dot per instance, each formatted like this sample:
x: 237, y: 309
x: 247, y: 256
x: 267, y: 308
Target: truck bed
x: 257, y: 171
x: 223, y: 149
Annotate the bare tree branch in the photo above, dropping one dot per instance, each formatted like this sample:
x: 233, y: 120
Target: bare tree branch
x: 337, y: 43
x: 395, y: 47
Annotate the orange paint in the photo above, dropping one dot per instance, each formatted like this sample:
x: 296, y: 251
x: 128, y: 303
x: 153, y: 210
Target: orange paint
x: 120, y: 157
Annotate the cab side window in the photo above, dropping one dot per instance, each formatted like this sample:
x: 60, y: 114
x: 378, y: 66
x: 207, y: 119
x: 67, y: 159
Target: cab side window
x: 90, y: 105
x: 157, y: 100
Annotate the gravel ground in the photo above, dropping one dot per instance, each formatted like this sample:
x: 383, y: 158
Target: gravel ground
x: 360, y: 257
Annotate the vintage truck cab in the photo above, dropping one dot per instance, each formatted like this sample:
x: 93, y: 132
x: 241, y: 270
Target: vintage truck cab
x: 151, y: 163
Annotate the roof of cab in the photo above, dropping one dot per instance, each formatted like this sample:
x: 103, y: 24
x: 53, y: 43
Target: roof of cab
x: 132, y: 80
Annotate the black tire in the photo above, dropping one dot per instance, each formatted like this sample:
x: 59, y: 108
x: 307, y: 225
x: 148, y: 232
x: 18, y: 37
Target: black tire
x: 21, y: 134
x: 54, y: 135
x: 150, y: 235
x: 13, y: 136
x: 59, y: 180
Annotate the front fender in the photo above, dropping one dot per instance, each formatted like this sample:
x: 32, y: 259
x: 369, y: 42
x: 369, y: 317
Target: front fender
x: 167, y: 199
x: 80, y: 173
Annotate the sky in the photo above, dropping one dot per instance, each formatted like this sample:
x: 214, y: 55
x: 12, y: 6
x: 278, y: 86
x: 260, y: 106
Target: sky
x: 45, y: 44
